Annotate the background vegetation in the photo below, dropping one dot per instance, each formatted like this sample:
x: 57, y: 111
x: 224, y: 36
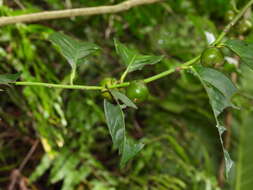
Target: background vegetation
x: 67, y: 129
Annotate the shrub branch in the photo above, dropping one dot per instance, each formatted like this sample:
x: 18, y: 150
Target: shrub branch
x: 48, y: 15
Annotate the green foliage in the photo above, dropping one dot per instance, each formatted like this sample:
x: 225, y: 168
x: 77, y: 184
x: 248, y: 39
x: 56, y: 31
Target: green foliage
x: 74, y: 51
x: 133, y: 60
x: 220, y: 90
x: 123, y: 98
x: 219, y: 81
x: 177, y: 36
x: 44, y: 165
x: 116, y: 124
x: 243, y: 49
x: 8, y: 78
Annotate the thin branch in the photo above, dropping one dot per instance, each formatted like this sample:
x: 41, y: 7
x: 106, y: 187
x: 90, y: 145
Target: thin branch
x: 16, y: 174
x: 28, y: 156
x: 19, y: 4
x: 227, y: 137
x: 50, y: 85
x: 47, y: 15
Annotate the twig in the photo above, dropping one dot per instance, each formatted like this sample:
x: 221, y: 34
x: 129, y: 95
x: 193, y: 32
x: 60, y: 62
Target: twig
x: 19, y: 4
x: 51, y: 85
x: 31, y: 151
x: 15, y: 175
x: 47, y: 15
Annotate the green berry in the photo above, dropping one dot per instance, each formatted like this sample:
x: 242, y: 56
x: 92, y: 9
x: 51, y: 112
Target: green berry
x: 244, y: 26
x: 229, y: 15
x: 137, y: 91
x: 211, y: 57
x: 106, y: 82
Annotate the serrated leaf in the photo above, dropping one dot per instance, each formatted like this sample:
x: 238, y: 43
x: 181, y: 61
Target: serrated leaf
x: 218, y: 80
x: 217, y: 100
x: 242, y: 49
x: 74, y: 51
x: 7, y: 78
x: 133, y: 60
x: 125, y: 54
x: 123, y: 98
x: 220, y: 90
x: 116, y: 125
x: 130, y: 150
x: 142, y: 60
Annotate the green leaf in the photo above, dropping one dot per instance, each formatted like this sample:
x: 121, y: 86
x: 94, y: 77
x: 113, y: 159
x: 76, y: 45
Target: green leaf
x: 45, y: 163
x: 67, y: 167
x: 218, y: 80
x: 217, y: 100
x: 74, y: 51
x: 58, y: 164
x: 142, y: 60
x: 242, y: 49
x: 75, y: 177
x: 133, y: 60
x: 130, y: 150
x: 220, y: 90
x: 8, y: 78
x: 123, y: 98
x: 116, y: 125
x: 244, y: 169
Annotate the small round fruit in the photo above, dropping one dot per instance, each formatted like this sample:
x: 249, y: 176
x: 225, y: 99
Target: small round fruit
x: 106, y: 95
x: 244, y: 26
x: 137, y: 91
x: 106, y: 82
x: 212, y: 56
x: 229, y: 15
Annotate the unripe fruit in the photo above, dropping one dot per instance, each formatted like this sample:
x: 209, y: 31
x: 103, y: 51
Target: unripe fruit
x: 229, y: 15
x: 212, y: 57
x: 137, y: 91
x: 106, y: 82
x: 244, y: 26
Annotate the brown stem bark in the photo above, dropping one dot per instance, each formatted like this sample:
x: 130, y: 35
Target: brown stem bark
x: 47, y: 15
